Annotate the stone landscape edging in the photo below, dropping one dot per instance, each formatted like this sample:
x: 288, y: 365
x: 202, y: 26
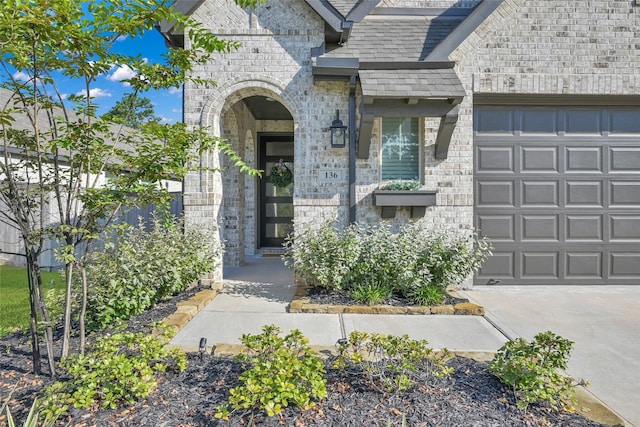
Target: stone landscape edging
x: 187, y: 309
x: 302, y: 304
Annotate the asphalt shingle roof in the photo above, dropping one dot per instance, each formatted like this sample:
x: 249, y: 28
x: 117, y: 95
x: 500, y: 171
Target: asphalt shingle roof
x: 395, y: 38
x: 422, y: 83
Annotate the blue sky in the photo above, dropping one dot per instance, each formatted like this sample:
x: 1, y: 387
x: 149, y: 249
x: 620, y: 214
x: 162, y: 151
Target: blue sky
x: 167, y: 103
x: 109, y: 88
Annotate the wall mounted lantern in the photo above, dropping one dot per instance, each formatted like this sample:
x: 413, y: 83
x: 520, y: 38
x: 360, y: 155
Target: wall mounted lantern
x: 338, y: 132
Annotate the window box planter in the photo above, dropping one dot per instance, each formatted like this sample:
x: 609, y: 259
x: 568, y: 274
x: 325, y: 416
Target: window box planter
x: 418, y: 200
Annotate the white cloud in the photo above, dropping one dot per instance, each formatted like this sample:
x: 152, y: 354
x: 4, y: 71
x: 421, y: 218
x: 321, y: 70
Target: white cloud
x: 64, y: 96
x: 95, y: 93
x: 21, y: 76
x: 176, y: 110
x: 175, y: 91
x: 165, y: 120
x: 121, y: 38
x: 123, y: 72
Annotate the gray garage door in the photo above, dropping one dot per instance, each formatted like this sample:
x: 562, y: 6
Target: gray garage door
x: 557, y: 189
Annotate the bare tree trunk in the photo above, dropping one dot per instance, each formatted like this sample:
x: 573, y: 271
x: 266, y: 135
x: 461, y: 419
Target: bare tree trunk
x: 33, y: 303
x: 83, y: 308
x: 48, y: 329
x: 66, y: 330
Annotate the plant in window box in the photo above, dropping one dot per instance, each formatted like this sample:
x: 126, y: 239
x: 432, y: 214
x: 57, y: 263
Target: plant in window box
x: 403, y: 193
x: 281, y: 175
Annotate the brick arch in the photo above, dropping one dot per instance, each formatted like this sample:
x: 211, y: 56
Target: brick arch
x: 226, y: 95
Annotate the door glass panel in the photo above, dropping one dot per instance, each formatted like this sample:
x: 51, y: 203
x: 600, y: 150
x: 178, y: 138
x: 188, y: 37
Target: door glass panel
x: 284, y: 148
x: 278, y: 231
x: 276, y: 203
x: 279, y: 210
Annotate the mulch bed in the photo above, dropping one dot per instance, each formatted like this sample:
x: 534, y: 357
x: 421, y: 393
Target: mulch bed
x: 470, y: 397
x: 318, y: 295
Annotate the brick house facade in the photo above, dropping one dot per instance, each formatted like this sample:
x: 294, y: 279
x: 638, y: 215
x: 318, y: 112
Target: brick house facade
x: 525, y: 115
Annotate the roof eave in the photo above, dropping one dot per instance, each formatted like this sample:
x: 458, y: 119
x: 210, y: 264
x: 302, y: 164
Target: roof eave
x: 174, y: 36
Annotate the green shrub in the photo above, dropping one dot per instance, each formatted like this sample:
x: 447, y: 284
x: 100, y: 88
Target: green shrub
x: 139, y: 268
x: 117, y: 369
x: 532, y: 369
x: 411, y: 262
x: 324, y: 256
x: 283, y: 371
x: 391, y: 363
x: 411, y: 185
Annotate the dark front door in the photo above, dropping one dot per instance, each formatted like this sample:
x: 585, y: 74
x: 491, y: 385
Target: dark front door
x: 276, y: 202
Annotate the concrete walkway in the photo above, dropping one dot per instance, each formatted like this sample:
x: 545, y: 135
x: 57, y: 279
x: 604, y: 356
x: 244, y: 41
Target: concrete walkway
x: 604, y: 323
x: 258, y: 294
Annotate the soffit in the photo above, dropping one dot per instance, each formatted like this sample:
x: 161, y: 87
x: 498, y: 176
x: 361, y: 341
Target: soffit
x: 265, y: 108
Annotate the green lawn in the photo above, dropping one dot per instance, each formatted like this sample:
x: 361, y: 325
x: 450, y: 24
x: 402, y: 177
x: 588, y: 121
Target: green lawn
x: 14, y: 296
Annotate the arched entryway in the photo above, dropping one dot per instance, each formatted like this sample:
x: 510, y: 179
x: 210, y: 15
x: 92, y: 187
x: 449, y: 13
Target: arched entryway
x: 255, y: 214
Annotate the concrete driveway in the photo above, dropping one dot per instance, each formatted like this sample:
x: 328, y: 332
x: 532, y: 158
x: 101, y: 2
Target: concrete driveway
x: 603, y: 321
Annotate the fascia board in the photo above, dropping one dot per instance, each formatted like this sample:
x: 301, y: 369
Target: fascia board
x: 330, y: 15
x: 468, y: 26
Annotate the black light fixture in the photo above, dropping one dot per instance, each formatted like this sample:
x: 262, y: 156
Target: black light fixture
x: 338, y: 132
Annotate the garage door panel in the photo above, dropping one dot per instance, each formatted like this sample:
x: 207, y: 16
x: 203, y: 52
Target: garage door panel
x: 624, y: 159
x: 557, y: 190
x: 583, y: 228
x: 584, y: 193
x: 539, y: 193
x: 583, y: 121
x: 539, y: 265
x: 501, y: 265
x: 624, y: 194
x: 539, y: 120
x: 583, y: 159
x: 494, y: 159
x: 495, y: 193
x: 539, y: 159
x: 625, y: 227
x: 495, y: 120
x: 536, y: 228
x: 583, y: 265
x: 624, y: 264
x: 497, y: 227
x: 624, y: 120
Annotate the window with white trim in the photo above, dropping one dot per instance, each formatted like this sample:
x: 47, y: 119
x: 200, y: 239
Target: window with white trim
x: 400, y: 156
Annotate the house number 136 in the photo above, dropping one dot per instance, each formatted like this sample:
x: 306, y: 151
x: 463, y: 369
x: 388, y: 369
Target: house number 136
x: 330, y: 175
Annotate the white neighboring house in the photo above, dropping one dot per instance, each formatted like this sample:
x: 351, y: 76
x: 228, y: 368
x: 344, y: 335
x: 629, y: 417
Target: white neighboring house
x: 11, y: 246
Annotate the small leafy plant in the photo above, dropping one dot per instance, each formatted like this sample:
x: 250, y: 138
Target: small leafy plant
x: 427, y: 295
x: 282, y: 371
x: 533, y: 370
x: 391, y: 362
x: 370, y: 294
x: 118, y: 369
x: 411, y: 185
